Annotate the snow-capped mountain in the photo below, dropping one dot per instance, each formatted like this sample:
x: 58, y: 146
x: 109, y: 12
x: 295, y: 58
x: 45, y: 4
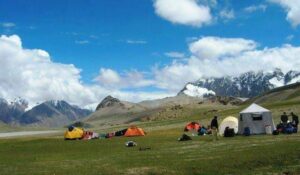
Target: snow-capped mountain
x: 246, y: 85
x: 11, y: 111
x: 49, y: 113
x: 53, y: 113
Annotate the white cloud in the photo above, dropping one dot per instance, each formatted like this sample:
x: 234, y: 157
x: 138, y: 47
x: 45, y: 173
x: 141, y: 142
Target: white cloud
x: 82, y: 42
x: 32, y: 75
x: 136, y: 41
x: 290, y: 37
x: 175, y: 54
x: 214, y: 47
x: 292, y: 7
x: 186, y: 12
x: 213, y: 57
x: 131, y: 79
x: 195, y: 91
x: 8, y: 24
x: 253, y: 8
x: 108, y: 76
x: 226, y: 56
x: 227, y: 14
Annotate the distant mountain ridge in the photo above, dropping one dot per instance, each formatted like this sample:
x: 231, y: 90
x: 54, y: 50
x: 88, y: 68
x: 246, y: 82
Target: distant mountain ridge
x: 247, y: 85
x: 10, y: 112
x: 50, y: 113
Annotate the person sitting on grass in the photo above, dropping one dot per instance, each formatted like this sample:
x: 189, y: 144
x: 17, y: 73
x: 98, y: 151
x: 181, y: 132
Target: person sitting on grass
x: 214, y: 127
x: 208, y: 130
x: 202, y: 131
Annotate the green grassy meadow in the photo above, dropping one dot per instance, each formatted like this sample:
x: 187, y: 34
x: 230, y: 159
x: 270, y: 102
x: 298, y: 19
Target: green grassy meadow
x: 261, y: 154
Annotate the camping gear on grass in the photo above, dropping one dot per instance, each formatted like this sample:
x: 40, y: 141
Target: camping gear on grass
x: 193, y: 126
x: 88, y: 135
x: 295, y: 130
x: 102, y: 136
x: 256, y: 118
x: 73, y: 133
x: 130, y: 144
x: 134, y: 131
x: 109, y: 135
x: 121, y: 132
x: 230, y: 122
x: 275, y: 132
x: 184, y: 137
x: 247, y: 131
x: 229, y: 132
x: 268, y: 129
x: 289, y: 129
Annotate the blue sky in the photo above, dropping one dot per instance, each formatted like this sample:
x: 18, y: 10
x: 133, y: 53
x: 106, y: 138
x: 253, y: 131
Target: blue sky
x: 130, y: 35
x: 55, y: 26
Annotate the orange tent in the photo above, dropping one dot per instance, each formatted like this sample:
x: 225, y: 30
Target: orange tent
x: 192, y: 126
x: 134, y: 131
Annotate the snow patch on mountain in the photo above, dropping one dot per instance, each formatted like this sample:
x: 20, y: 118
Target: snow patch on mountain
x: 195, y: 91
x: 276, y: 82
x: 246, y: 85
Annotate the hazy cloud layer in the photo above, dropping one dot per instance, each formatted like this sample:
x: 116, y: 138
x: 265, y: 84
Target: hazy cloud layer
x: 253, y: 8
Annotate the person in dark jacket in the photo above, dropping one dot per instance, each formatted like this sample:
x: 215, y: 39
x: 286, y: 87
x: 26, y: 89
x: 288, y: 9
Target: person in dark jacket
x: 295, y: 120
x: 214, y: 122
x: 284, y: 118
x: 214, y: 127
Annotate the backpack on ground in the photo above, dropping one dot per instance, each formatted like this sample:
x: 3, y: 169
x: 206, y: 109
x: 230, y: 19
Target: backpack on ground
x: 229, y: 132
x: 275, y: 132
x: 184, y: 137
x: 130, y: 144
x: 246, y: 131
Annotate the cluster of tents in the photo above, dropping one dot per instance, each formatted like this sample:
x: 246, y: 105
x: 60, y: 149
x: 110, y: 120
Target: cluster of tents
x: 252, y: 120
x: 75, y: 133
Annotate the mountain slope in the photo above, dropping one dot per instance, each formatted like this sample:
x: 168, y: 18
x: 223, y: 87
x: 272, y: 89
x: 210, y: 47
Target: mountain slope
x: 246, y: 85
x: 52, y: 114
x: 180, y: 99
x: 111, y: 109
x: 286, y: 93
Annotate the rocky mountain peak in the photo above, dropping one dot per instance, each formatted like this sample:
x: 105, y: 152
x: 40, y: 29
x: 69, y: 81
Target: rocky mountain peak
x: 246, y: 85
x: 107, y: 102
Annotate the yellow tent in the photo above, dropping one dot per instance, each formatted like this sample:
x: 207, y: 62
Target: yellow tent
x: 74, y: 133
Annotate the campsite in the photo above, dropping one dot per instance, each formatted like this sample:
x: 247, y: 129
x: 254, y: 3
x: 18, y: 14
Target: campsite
x: 149, y: 87
x: 255, y: 154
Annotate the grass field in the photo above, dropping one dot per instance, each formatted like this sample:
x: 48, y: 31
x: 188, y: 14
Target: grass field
x: 239, y: 155
x: 262, y: 154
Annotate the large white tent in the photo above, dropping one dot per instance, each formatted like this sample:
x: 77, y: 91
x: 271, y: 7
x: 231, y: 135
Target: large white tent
x: 256, y: 118
x: 230, y: 122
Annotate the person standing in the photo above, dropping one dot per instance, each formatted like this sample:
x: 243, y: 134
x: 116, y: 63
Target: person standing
x: 295, y: 120
x: 284, y: 118
x: 214, y: 127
